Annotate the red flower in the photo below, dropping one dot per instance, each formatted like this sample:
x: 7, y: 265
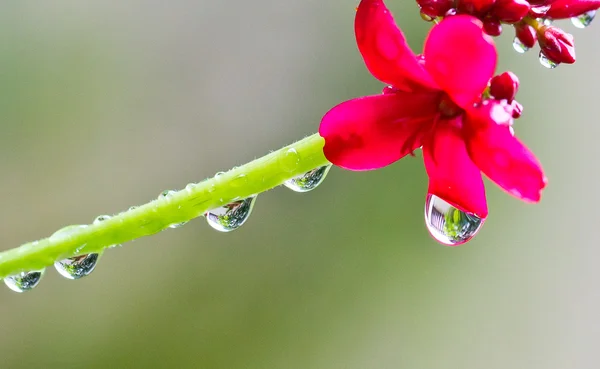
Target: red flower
x: 434, y: 103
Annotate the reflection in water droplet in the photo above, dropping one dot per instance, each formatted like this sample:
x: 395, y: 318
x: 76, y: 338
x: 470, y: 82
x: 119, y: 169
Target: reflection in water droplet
x: 547, y: 62
x: 290, y: 160
x: 447, y: 224
x: 584, y: 19
x: 24, y: 281
x: 309, y: 180
x: 519, y: 46
x: 231, y: 216
x: 77, y: 266
x: 101, y: 218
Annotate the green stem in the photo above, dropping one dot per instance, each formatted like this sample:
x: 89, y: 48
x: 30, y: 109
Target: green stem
x: 255, y: 177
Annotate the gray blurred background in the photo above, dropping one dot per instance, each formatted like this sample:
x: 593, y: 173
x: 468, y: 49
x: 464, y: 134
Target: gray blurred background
x: 105, y: 104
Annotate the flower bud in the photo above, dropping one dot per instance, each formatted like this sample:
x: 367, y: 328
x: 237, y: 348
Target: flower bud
x: 511, y: 11
x: 561, y: 9
x: 556, y: 44
x: 517, y: 109
x: 526, y: 34
x: 475, y: 6
x: 492, y: 26
x: 435, y: 8
x: 504, y: 86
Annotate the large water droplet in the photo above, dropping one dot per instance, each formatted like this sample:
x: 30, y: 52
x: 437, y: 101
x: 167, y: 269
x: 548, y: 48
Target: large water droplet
x: 584, y: 19
x: 231, y: 216
x: 24, y: 281
x: 77, y: 266
x: 519, y: 46
x: 309, y: 180
x: 447, y: 224
x: 550, y: 64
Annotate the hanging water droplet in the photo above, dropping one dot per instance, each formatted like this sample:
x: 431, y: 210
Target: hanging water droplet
x: 447, y: 224
x: 519, y: 46
x: 583, y: 20
x: 309, y: 180
x: 550, y: 64
x: 290, y: 160
x: 231, y: 216
x: 24, y: 281
x: 78, y: 266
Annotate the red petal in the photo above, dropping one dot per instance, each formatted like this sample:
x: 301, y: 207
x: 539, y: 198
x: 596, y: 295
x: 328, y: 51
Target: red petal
x: 385, y: 50
x: 461, y: 58
x: 571, y: 8
x: 374, y: 131
x: 452, y: 175
x: 503, y: 158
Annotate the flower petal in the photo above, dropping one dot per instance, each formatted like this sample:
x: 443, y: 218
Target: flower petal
x: 499, y: 155
x: 374, y: 131
x: 561, y: 9
x: 384, y: 48
x: 453, y: 177
x: 461, y: 58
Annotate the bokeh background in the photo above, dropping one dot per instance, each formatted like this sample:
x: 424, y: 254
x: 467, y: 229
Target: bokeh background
x: 104, y: 104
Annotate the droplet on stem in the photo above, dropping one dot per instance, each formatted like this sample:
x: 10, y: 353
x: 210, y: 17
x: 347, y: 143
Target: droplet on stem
x: 309, y: 180
x: 24, y: 281
x: 77, y: 266
x: 231, y: 216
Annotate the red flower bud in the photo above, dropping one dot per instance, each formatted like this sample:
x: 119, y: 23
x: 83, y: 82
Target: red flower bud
x: 556, y: 44
x: 517, y: 109
x: 435, y: 8
x: 526, y: 34
x: 511, y: 11
x: 475, y: 6
x: 504, y: 86
x: 492, y: 26
x: 571, y: 8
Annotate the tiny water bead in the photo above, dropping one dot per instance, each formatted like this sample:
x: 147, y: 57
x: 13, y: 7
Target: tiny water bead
x: 309, y: 180
x: 230, y: 217
x: 447, y: 224
x: 519, y: 46
x: 101, y: 218
x: 24, y: 281
x: 77, y: 266
x: 584, y: 19
x: 547, y: 62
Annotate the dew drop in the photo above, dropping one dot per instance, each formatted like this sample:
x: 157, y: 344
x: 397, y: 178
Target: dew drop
x: 132, y: 208
x: 290, y: 160
x: 583, y: 20
x: 309, y: 180
x: 77, y: 266
x: 190, y: 187
x: 519, y: 46
x: 547, y: 62
x: 447, y: 224
x: 101, y: 218
x: 24, y: 281
x: 231, y: 216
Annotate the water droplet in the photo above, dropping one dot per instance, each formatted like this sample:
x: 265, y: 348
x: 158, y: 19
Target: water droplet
x: 77, y: 266
x: 231, y: 216
x: 309, y: 180
x: 101, y: 218
x: 133, y: 207
x: 545, y: 21
x: 519, y: 46
x: 166, y: 194
x: 190, y: 187
x: 584, y: 19
x: 239, y: 181
x: 447, y: 224
x: 290, y: 160
x: 24, y: 281
x: 547, y: 62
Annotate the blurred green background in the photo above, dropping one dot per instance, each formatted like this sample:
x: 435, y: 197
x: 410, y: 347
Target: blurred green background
x: 106, y: 104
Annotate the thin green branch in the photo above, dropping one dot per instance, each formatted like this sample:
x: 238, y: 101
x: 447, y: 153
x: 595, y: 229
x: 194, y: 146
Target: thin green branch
x: 253, y: 178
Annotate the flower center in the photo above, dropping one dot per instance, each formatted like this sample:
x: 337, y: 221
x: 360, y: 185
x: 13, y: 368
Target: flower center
x: 448, y: 108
